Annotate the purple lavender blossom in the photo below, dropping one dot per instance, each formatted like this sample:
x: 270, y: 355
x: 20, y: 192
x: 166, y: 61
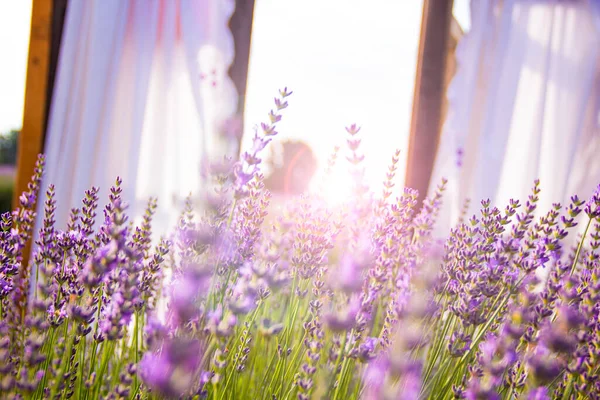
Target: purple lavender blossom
x: 171, y: 371
x: 301, y: 300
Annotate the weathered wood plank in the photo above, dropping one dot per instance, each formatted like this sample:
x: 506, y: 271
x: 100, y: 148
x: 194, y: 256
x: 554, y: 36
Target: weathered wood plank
x: 241, y: 28
x: 34, y: 113
x: 429, y: 95
x: 31, y: 137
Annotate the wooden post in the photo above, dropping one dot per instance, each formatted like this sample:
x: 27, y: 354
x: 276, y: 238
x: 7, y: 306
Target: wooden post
x: 30, y: 142
x: 59, y: 11
x: 241, y: 28
x: 428, y: 100
x: 37, y: 94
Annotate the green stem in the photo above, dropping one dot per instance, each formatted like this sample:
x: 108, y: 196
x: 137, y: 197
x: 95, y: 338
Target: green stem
x: 290, y: 319
x: 37, y: 281
x: 436, y: 350
x: 343, y: 373
x: 580, y: 246
x: 476, y: 341
x: 92, y: 363
x: 277, y: 368
x: 214, y: 280
x: 293, y: 365
x: 379, y: 313
x: 356, y: 394
x: 251, y: 322
x: 568, y: 389
x: 264, y: 381
x: 224, y: 287
x: 208, y: 352
x: 298, y: 351
x: 49, y: 350
x: 230, y: 218
x: 81, y: 365
x: 106, y: 355
x: 63, y: 362
x: 95, y: 345
x: 337, y: 364
x: 136, y: 346
x: 290, y: 324
x: 119, y: 357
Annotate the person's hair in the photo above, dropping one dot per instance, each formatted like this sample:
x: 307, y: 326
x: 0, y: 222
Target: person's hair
x: 295, y: 172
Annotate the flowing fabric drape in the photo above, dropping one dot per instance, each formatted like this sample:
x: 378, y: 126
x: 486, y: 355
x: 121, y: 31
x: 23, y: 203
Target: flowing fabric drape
x: 523, y: 106
x: 142, y: 87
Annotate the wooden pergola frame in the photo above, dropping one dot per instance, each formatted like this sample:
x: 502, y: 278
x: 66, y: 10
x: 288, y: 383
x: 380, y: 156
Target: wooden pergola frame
x: 428, y: 105
x: 36, y: 96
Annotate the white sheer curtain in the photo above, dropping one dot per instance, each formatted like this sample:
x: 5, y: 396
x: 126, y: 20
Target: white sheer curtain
x: 142, y: 87
x: 523, y: 105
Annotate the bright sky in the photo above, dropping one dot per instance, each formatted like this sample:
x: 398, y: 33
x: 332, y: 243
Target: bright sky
x: 15, y: 16
x: 347, y: 61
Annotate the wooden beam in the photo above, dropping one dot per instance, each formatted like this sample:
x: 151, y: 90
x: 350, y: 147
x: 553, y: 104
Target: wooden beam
x: 59, y: 11
x: 241, y: 28
x: 35, y: 109
x: 30, y: 142
x: 429, y: 95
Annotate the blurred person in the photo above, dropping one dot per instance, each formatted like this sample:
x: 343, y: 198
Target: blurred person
x: 294, y: 171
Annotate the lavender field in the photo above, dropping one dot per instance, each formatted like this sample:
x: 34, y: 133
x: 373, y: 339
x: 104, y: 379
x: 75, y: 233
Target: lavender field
x: 309, y: 302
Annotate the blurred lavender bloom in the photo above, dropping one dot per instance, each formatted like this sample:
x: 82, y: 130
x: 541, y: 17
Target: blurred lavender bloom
x: 171, y: 371
x: 344, y: 319
x: 366, y: 350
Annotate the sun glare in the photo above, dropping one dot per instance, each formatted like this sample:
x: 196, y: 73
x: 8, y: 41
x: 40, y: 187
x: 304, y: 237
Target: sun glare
x: 339, y: 77
x: 335, y: 187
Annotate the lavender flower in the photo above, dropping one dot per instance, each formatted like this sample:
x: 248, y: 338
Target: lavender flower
x: 249, y: 297
x: 171, y: 371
